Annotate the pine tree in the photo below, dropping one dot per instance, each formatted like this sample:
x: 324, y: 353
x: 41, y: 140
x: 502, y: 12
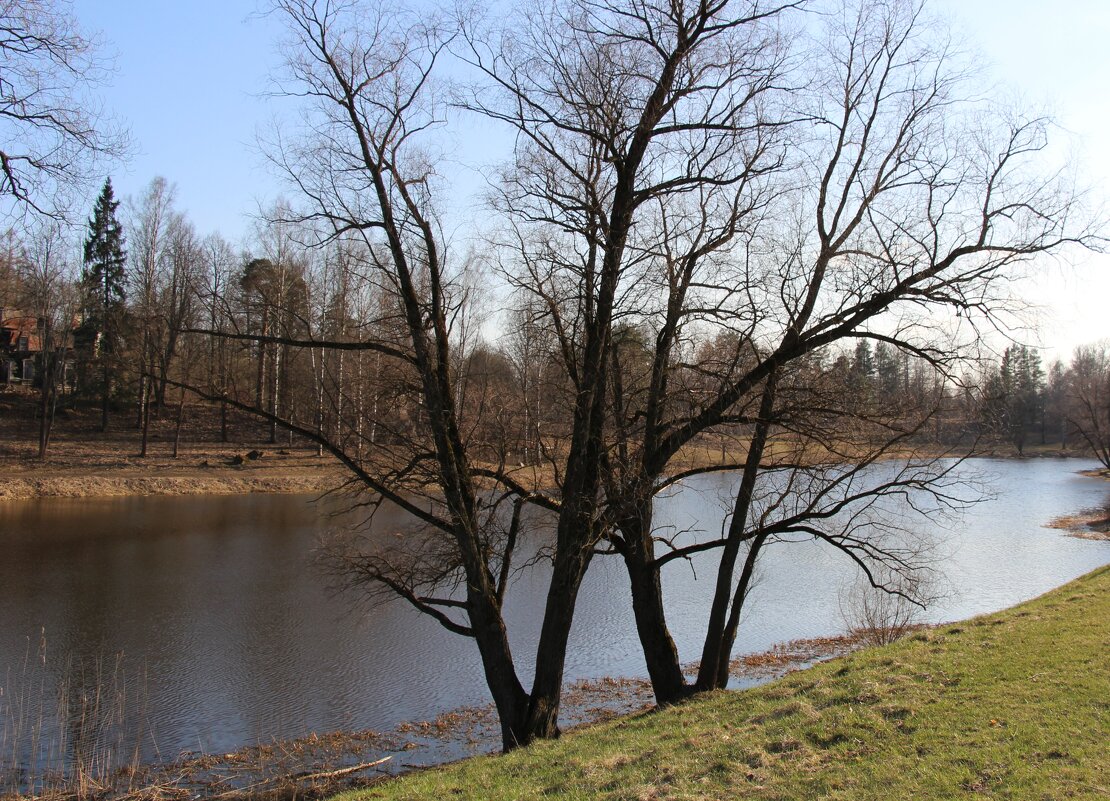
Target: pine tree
x: 1016, y: 394
x: 887, y: 370
x: 103, y: 281
x: 862, y: 372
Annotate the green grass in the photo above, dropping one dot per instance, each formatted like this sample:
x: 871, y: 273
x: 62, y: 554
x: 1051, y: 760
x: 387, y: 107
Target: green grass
x: 1011, y: 705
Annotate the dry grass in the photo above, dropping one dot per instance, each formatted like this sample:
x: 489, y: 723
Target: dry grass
x: 83, y: 462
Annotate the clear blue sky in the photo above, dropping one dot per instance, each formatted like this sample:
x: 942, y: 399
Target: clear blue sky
x: 191, y: 76
x: 189, y: 83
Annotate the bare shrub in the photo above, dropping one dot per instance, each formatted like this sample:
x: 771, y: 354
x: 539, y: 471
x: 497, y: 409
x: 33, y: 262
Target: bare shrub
x: 881, y: 614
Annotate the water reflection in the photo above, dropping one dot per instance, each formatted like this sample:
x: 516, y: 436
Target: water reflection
x: 229, y: 635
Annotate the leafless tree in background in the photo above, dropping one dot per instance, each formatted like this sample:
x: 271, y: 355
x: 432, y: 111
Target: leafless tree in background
x: 53, y: 134
x: 1088, y: 398
x: 48, y: 295
x: 150, y: 220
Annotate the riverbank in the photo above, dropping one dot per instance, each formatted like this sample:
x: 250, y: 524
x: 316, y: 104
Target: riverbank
x: 321, y: 764
x: 210, y: 470
x: 1009, y: 705
x: 84, y: 462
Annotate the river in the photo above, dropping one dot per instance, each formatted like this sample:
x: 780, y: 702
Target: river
x: 225, y: 633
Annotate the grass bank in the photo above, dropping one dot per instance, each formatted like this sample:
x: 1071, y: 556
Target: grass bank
x: 1011, y: 705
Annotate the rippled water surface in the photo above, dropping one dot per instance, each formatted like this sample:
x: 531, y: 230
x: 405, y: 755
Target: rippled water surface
x: 229, y: 635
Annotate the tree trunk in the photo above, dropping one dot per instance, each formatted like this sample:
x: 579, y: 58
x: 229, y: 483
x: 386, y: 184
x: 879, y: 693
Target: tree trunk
x: 714, y: 653
x: 728, y: 638
x: 46, y: 417
x: 141, y: 405
x: 497, y: 662
x: 223, y: 421
x: 146, y: 419
x: 180, y: 420
x: 566, y: 579
x: 274, y: 395
x: 660, y: 652
x: 104, y: 396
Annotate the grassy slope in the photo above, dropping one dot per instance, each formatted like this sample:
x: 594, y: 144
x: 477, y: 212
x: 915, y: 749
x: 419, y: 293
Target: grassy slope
x: 1013, y: 705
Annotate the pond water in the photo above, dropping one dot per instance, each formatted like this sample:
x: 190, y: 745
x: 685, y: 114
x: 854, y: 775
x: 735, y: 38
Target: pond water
x: 227, y: 633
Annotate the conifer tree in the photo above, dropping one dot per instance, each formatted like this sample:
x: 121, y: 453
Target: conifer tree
x: 103, y: 281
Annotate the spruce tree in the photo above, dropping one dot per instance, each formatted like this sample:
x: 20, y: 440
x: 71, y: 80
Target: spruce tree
x: 103, y: 280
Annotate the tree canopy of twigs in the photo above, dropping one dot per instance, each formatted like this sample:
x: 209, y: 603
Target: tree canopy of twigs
x: 54, y: 135
x: 735, y: 237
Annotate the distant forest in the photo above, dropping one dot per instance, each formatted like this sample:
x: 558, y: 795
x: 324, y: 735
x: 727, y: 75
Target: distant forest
x: 296, y: 334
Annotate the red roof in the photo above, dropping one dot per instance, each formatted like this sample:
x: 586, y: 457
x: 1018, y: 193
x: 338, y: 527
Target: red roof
x: 15, y: 325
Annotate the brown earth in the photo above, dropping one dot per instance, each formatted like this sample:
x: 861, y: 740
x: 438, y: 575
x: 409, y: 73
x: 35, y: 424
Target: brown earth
x: 82, y: 461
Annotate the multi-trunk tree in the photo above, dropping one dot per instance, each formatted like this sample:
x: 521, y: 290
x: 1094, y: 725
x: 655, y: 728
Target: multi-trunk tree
x: 702, y: 207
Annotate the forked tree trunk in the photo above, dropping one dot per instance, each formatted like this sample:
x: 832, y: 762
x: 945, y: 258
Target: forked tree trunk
x: 728, y: 637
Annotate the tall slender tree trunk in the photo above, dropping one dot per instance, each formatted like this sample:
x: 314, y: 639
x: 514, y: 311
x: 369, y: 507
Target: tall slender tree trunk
x: 140, y: 406
x: 146, y: 420
x: 180, y: 420
x: 106, y: 376
x: 46, y: 412
x: 717, y: 646
x: 274, y: 395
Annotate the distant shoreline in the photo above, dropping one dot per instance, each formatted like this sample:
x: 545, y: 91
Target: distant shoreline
x: 94, y: 470
x: 106, y: 485
x: 91, y: 468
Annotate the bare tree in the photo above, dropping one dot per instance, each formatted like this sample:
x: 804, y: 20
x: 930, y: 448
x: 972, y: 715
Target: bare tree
x: 151, y: 218
x: 53, y: 134
x: 648, y: 134
x: 879, y: 615
x: 1088, y: 392
x: 49, y: 294
x: 906, y: 208
x: 694, y: 229
x: 220, y: 262
x: 363, y: 175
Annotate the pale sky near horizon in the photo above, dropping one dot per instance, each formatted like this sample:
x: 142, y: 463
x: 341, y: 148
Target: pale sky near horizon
x: 190, y: 81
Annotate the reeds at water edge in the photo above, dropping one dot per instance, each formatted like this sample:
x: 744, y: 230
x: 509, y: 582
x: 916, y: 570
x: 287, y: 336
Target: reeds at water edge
x: 70, y: 728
